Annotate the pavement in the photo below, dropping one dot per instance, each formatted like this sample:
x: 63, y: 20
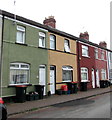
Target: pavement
x: 17, y: 108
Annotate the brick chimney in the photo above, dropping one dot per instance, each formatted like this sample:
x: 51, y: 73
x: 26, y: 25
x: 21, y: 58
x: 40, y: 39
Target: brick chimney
x: 84, y: 35
x: 103, y: 44
x: 50, y: 21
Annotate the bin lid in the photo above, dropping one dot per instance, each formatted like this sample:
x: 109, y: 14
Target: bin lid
x: 21, y: 86
x: 75, y: 82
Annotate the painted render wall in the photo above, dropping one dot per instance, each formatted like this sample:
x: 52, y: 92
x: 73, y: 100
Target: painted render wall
x: 60, y: 58
x: 88, y: 62
x: 29, y: 53
x: 101, y: 64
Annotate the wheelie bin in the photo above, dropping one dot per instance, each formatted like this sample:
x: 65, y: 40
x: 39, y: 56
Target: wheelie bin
x: 83, y: 86
x: 72, y: 87
x: 21, y: 93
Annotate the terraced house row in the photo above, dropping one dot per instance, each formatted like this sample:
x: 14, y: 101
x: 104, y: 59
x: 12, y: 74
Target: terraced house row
x: 39, y: 54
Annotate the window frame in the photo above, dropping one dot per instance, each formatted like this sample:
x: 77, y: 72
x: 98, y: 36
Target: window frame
x: 103, y: 72
x: 102, y: 55
x: 42, y: 41
x: 67, y: 69
x: 67, y: 45
x: 96, y: 53
x: 54, y: 42
x: 85, y: 50
x: 84, y: 68
x: 20, y: 68
x: 22, y: 30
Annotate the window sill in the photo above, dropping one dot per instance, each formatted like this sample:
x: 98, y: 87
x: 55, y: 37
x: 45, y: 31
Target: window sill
x: 85, y: 81
x: 66, y: 81
x: 86, y: 56
x: 14, y: 85
x: 42, y: 47
x: 21, y: 44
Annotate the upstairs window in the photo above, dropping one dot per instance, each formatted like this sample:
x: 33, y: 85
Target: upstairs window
x: 19, y: 73
x: 41, y: 39
x: 84, y: 74
x: 85, y: 51
x: 111, y: 56
x: 52, y: 42
x: 66, y: 46
x: 20, y: 38
x: 102, y: 55
x: 103, y: 74
x: 96, y: 53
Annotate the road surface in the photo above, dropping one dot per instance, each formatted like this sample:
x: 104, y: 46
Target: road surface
x: 94, y: 107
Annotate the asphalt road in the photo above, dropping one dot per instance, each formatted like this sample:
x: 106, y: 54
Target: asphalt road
x: 94, y: 107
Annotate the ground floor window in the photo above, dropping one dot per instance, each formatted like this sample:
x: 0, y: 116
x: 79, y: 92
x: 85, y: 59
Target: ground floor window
x: 67, y: 72
x: 103, y: 74
x: 84, y: 74
x: 19, y: 73
x: 110, y: 73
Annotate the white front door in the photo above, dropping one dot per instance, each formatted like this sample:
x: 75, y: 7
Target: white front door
x: 93, y: 79
x: 97, y: 78
x: 52, y: 79
x: 42, y: 77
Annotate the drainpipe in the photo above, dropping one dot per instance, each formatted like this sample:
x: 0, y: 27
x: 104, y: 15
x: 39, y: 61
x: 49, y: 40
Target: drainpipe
x: 78, y: 63
x: 1, y: 55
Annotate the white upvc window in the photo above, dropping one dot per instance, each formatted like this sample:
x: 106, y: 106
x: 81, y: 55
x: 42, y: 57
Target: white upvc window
x: 67, y: 73
x: 20, y: 38
x: 110, y: 74
x: 42, y: 39
x: 103, y: 74
x: 111, y: 56
x: 102, y: 55
x: 96, y: 53
x: 66, y: 46
x: 84, y: 74
x: 19, y: 73
x: 85, y: 51
x: 52, y: 42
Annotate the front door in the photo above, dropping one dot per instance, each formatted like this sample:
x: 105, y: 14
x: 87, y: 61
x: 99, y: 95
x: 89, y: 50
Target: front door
x: 97, y: 78
x: 93, y: 79
x: 42, y: 77
x: 52, y: 79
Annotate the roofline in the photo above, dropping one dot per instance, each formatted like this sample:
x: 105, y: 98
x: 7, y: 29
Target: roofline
x: 56, y: 31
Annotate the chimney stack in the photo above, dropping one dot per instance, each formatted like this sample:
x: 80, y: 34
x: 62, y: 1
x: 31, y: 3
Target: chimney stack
x: 103, y: 44
x: 84, y: 35
x: 50, y: 21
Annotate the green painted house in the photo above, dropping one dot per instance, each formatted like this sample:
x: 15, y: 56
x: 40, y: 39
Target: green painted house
x: 23, y: 54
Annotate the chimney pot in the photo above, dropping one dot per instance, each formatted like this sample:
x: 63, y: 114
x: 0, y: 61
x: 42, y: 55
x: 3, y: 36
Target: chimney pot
x: 103, y: 44
x: 50, y: 21
x: 84, y: 35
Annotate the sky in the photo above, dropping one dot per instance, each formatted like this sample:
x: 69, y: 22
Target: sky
x: 72, y: 16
